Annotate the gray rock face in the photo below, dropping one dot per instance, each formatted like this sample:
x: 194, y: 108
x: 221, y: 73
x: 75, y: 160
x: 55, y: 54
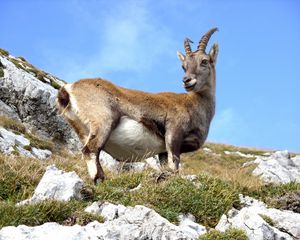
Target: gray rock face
x: 25, y: 97
x: 253, y: 220
x: 277, y: 168
x: 58, y: 185
x: 7, y: 111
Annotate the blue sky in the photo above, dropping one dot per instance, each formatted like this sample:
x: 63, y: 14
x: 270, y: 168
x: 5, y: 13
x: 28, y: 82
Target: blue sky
x: 134, y: 44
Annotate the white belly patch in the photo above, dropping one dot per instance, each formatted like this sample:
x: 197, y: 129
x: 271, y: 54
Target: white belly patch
x: 132, y: 141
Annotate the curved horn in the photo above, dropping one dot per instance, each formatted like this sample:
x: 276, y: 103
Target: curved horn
x: 204, y: 40
x: 187, y: 46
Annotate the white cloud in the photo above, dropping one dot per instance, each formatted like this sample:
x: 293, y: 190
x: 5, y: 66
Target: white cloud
x: 229, y: 127
x: 129, y: 40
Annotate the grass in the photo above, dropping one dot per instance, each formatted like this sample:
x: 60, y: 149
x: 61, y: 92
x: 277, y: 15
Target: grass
x: 173, y: 196
x: 4, y: 52
x: 18, y: 128
x: 40, y: 143
x: 220, y: 180
x: 267, y: 219
x: 226, y: 167
x: 231, y: 234
x: 21, y: 63
x: 67, y: 213
x: 12, y: 124
x: 1, y: 73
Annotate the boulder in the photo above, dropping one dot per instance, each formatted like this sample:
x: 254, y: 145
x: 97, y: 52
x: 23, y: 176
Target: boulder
x: 260, y: 222
x: 277, y: 168
x: 56, y: 185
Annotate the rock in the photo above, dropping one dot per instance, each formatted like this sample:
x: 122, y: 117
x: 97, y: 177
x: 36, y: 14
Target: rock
x: 276, y: 168
x: 57, y: 185
x: 107, y: 210
x: 138, y: 187
x: 33, y: 101
x: 113, y: 165
x: 153, y: 163
x: 289, y: 201
x: 260, y: 222
x: 207, y: 150
x: 188, y: 225
x: 7, y: 111
x: 239, y: 154
x: 24, y: 152
x: 140, y: 222
x: 41, y: 154
x: 10, y: 142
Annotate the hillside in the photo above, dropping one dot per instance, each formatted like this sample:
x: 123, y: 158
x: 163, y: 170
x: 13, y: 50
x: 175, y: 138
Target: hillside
x: 221, y: 192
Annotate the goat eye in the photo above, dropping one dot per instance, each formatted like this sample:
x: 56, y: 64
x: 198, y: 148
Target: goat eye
x: 204, y: 62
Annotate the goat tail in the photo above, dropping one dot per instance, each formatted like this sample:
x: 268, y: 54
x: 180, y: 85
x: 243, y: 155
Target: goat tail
x: 63, y: 100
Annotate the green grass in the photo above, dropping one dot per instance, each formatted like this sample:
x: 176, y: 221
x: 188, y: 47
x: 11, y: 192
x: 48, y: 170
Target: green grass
x: 269, y: 193
x: 1, y: 73
x: 231, y: 234
x: 217, y: 190
x: 68, y: 213
x: 173, y: 196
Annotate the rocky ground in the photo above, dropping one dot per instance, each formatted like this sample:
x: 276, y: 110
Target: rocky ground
x: 222, y: 191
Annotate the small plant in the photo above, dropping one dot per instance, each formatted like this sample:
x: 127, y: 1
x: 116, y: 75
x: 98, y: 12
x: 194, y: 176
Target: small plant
x: 267, y: 219
x: 22, y: 58
x: 18, y: 64
x: 1, y: 72
x: 55, y: 85
x: 4, y: 52
x: 231, y: 234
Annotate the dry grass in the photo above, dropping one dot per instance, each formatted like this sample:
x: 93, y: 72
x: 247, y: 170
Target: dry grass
x: 225, y: 167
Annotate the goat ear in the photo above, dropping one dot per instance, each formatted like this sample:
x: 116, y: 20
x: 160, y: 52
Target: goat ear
x: 180, y: 56
x: 213, y: 52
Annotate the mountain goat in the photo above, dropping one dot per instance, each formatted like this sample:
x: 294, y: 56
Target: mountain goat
x: 131, y: 125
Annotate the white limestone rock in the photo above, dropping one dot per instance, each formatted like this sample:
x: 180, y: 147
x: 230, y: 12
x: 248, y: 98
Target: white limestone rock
x: 10, y: 142
x: 140, y: 222
x: 285, y: 224
x: 277, y: 168
x: 41, y: 154
x: 113, y: 165
x: 188, y: 225
x: 239, y: 154
x: 57, y: 185
x: 127, y: 223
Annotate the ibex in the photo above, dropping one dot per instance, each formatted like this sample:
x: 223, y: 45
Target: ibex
x: 131, y: 125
